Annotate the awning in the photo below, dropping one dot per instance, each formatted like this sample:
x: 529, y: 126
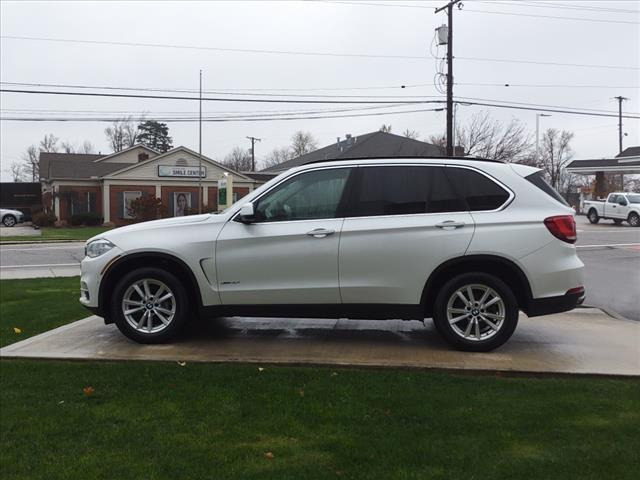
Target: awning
x: 626, y: 165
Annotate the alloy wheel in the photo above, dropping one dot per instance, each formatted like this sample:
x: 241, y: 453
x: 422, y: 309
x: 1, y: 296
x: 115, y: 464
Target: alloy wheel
x: 9, y: 221
x: 148, y: 305
x: 476, y: 312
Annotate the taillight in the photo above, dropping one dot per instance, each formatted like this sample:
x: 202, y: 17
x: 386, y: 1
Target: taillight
x: 562, y: 227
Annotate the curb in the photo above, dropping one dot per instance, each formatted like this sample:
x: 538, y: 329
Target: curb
x: 14, y: 242
x: 607, y: 311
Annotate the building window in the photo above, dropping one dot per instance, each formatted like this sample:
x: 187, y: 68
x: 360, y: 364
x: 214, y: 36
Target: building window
x: 127, y: 198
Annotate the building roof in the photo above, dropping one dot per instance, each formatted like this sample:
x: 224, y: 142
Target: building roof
x: 369, y: 145
x: 620, y: 164
x: 629, y: 152
x: 74, y: 165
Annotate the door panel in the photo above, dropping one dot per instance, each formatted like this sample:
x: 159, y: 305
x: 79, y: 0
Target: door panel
x: 278, y: 263
x: 388, y: 259
x: 403, y: 222
x: 290, y: 254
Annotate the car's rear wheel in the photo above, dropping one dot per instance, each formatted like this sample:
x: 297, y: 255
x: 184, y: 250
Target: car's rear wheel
x: 476, y: 312
x: 9, y: 220
x: 593, y: 216
x: 634, y: 219
x: 150, y: 305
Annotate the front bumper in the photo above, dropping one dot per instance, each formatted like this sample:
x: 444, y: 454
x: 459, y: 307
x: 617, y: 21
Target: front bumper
x: 549, y: 305
x: 92, y: 271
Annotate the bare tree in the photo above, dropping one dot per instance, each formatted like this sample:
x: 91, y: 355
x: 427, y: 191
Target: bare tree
x: 276, y: 157
x: 31, y: 159
x: 68, y: 147
x: 87, y: 147
x: 122, y: 134
x: 555, y: 153
x: 49, y: 143
x: 239, y: 160
x: 18, y: 171
x: 488, y: 138
x: 385, y: 128
x: 412, y: 134
x: 302, y: 142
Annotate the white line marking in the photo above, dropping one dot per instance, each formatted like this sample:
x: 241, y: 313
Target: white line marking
x: 610, y: 245
x: 42, y: 266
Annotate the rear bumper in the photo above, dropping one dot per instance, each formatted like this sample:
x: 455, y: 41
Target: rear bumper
x: 549, y: 305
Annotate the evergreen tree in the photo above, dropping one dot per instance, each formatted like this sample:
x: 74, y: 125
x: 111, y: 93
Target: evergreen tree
x: 155, y: 135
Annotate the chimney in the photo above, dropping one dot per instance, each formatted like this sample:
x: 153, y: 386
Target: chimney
x: 142, y: 156
x: 338, y: 144
x: 349, y: 139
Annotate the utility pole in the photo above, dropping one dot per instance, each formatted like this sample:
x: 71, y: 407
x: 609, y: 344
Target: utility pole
x: 449, y: 8
x: 200, y: 148
x: 253, y: 152
x: 620, y: 134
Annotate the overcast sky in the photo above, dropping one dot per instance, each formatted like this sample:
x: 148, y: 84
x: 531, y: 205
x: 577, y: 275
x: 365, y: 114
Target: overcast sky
x: 512, y: 30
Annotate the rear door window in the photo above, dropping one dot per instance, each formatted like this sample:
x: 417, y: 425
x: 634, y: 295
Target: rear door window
x: 402, y: 190
x: 477, y: 190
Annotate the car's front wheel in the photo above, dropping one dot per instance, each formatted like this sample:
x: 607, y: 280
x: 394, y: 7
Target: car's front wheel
x: 150, y: 305
x: 9, y: 220
x: 476, y: 312
x: 634, y: 219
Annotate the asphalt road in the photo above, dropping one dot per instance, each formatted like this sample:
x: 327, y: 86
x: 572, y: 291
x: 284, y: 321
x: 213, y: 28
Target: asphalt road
x: 610, y: 253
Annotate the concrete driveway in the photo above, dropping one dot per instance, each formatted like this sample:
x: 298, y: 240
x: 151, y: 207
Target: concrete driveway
x: 584, y: 341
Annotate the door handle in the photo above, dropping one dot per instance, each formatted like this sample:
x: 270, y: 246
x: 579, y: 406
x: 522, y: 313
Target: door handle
x: 320, y: 232
x: 450, y: 225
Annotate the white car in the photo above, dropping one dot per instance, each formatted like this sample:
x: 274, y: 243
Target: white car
x: 468, y: 243
x: 619, y: 207
x: 10, y: 218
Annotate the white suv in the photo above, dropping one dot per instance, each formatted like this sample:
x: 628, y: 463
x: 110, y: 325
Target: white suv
x: 466, y: 242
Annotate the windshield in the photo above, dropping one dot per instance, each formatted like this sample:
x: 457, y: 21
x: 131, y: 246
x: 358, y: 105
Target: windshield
x: 633, y: 198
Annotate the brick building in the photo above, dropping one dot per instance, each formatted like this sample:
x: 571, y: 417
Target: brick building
x: 75, y: 183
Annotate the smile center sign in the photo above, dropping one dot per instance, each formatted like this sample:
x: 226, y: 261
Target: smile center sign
x: 177, y: 171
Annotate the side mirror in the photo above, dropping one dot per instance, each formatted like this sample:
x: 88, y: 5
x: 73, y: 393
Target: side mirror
x: 622, y: 203
x: 247, y: 214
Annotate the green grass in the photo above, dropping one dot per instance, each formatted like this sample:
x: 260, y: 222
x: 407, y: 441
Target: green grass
x: 199, y: 421
x: 37, y: 305
x: 50, y: 233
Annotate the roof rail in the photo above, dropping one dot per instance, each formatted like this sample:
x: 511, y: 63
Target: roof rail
x: 423, y: 157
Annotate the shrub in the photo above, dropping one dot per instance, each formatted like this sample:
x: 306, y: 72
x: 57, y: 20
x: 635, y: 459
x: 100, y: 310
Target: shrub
x: 146, y: 207
x: 86, y: 219
x: 43, y: 219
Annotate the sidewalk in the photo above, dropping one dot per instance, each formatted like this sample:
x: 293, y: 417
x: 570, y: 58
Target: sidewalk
x: 584, y: 341
x: 39, y: 271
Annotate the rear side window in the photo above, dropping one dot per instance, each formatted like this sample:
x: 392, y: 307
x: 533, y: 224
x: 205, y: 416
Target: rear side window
x: 402, y: 190
x: 538, y: 180
x: 479, y: 191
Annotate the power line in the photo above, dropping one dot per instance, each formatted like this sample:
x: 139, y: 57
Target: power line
x: 539, y: 85
x: 540, y: 107
x: 212, y: 99
x: 553, y: 17
x: 329, y: 54
x: 559, y: 6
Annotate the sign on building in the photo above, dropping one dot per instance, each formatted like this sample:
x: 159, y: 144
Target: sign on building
x: 178, y: 171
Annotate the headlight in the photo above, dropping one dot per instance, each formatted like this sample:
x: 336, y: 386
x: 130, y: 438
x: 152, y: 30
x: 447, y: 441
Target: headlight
x: 98, y: 247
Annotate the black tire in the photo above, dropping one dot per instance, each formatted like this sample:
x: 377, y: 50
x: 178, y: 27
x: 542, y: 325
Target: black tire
x: 634, y: 219
x: 446, y: 329
x: 617, y: 221
x: 9, y: 220
x: 175, y: 286
x: 593, y: 216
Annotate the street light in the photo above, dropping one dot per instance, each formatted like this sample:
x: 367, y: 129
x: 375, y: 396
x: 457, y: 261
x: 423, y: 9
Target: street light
x: 538, y: 115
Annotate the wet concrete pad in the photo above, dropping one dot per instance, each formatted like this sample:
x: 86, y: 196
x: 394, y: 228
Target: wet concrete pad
x: 585, y: 341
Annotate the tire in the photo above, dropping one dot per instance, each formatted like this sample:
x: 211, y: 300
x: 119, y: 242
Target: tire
x: 634, y: 219
x: 462, y: 334
x: 617, y: 221
x: 9, y: 220
x: 593, y: 216
x: 168, y: 317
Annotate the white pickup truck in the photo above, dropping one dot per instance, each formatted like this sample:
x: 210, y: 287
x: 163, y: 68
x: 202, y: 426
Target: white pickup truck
x: 620, y: 206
